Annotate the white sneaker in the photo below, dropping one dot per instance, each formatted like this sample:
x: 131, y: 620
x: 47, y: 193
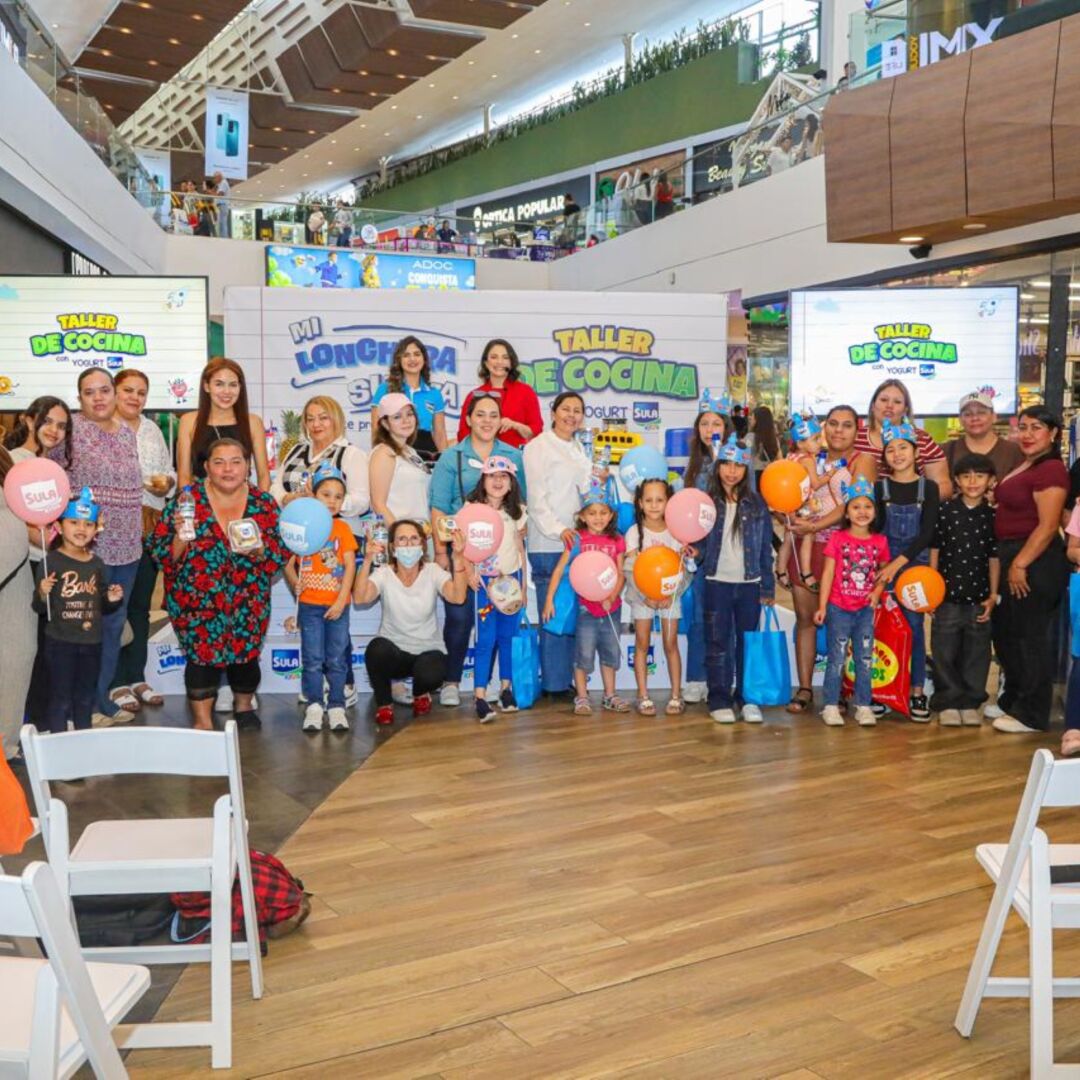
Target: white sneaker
x: 99, y: 719
x: 949, y: 718
x: 723, y: 716
x: 401, y: 692
x: 751, y: 714
x: 450, y: 696
x: 338, y: 720
x: 313, y: 717
x: 301, y: 699
x: 1011, y: 726
x: 351, y: 698
x: 695, y: 692
x: 864, y: 716
x: 224, y: 701
x: 970, y: 717
x: 993, y: 711
x: 832, y: 716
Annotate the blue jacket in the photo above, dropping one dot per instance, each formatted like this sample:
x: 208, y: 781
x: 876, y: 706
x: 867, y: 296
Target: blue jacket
x: 755, y: 531
x: 455, y: 474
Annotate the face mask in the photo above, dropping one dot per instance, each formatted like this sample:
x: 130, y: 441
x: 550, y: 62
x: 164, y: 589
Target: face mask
x: 408, y: 556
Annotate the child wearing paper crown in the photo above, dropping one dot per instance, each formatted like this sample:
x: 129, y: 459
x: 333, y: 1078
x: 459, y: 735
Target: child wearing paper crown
x: 597, y: 529
x: 739, y: 579
x: 850, y: 591
x: 496, y: 628
x: 72, y: 592
x: 907, y: 512
x: 323, y: 583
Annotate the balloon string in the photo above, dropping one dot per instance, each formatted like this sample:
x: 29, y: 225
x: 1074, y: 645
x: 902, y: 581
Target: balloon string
x: 45, y: 568
x: 676, y: 595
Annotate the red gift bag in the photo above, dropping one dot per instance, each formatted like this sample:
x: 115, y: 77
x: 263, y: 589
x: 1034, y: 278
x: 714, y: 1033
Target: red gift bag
x: 890, y: 664
x: 16, y: 827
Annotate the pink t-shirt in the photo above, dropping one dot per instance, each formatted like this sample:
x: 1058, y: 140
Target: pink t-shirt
x: 609, y: 545
x: 857, y: 563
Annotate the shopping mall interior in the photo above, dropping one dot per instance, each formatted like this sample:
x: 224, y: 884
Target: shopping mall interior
x: 661, y: 212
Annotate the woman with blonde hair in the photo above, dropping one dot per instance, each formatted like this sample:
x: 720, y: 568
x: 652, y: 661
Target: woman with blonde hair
x: 222, y: 414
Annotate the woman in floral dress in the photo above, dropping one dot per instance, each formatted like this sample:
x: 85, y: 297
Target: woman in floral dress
x: 217, y: 586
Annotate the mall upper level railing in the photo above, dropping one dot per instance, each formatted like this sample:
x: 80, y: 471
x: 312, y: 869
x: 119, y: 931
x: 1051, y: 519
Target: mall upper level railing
x: 45, y: 63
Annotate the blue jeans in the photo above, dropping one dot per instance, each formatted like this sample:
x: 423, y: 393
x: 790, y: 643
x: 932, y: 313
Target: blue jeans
x: 493, y: 630
x: 556, y: 650
x: 457, y: 629
x: 596, y: 634
x: 322, y: 654
x: 842, y: 627
x: 112, y: 630
x: 731, y: 609
x: 1072, y: 696
x: 695, y: 633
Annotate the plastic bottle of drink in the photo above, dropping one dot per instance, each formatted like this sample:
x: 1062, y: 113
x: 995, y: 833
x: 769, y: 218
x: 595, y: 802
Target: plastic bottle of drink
x: 185, y: 511
x: 601, y: 459
x: 380, y: 535
x: 585, y: 441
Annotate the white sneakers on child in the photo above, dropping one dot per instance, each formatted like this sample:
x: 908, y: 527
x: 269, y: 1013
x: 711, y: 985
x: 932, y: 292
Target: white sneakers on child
x: 695, y: 692
x: 224, y: 701
x: 993, y: 711
x: 338, y: 720
x: 832, y: 716
x: 865, y: 716
x: 970, y: 718
x: 950, y: 718
x: 450, y: 696
x: 723, y: 716
x: 751, y: 714
x: 313, y: 717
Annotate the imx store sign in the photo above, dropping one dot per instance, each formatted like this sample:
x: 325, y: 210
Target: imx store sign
x: 538, y: 204
x: 933, y: 45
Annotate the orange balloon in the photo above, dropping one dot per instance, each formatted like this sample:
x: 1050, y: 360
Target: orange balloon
x: 657, y: 573
x: 784, y: 486
x: 920, y: 588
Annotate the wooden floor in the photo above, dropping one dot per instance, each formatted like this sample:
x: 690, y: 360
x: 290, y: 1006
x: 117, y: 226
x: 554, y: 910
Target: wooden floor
x: 552, y: 896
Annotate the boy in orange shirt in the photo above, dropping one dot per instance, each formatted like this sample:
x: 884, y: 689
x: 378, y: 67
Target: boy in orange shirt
x: 324, y: 582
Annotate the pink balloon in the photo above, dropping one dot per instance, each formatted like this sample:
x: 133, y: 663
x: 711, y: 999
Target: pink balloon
x: 482, y: 528
x: 37, y: 490
x: 593, y: 575
x: 690, y: 515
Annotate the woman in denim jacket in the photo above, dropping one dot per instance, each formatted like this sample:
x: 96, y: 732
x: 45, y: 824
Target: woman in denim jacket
x: 739, y: 578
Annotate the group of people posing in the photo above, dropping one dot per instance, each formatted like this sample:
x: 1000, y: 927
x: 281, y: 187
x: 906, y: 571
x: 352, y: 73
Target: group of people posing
x: 987, y: 512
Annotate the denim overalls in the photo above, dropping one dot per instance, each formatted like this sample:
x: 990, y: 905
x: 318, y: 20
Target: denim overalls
x: 901, y: 527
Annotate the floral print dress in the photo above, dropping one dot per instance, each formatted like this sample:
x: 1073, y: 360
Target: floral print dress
x: 218, y: 601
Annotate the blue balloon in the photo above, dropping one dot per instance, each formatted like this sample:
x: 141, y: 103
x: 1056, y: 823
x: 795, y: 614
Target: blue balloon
x: 642, y: 463
x: 626, y: 516
x: 305, y: 526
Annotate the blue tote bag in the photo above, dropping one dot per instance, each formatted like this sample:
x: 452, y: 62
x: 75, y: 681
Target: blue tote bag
x: 564, y: 621
x: 525, y: 677
x: 767, y: 672
x: 1074, y: 614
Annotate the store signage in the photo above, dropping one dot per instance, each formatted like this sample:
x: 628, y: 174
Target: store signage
x: 932, y: 45
x: 712, y: 168
x: 11, y: 40
x: 893, y: 58
x: 528, y: 206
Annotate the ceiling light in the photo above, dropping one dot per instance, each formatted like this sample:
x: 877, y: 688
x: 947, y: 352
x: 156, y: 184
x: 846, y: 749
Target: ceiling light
x: 1044, y: 284
x: 306, y: 156
x: 911, y: 239
x: 455, y: 97
x: 975, y: 225
x: 391, y: 52
x: 329, y: 163
x: 336, y: 90
x: 333, y: 142
x: 361, y: 73
x: 56, y: 26
x: 431, y: 86
x: 471, y: 62
x: 419, y: 116
x: 387, y: 133
x: 1027, y: 296
x: 363, y: 125
x: 513, y: 36
x: 400, y: 76
x: 494, y: 76
x: 435, y: 58
x: 588, y: 24
x: 537, y: 51
x: 152, y: 63
x: 277, y: 129
x: 393, y: 106
x: 172, y: 40
x: 303, y: 176
x: 106, y: 52
x: 372, y: 93
x: 197, y: 18
x: 124, y: 29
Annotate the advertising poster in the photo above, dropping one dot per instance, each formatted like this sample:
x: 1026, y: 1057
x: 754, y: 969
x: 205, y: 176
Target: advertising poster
x: 343, y: 268
x: 51, y: 328
x: 942, y: 343
x: 158, y: 164
x: 639, y: 360
x: 226, y: 137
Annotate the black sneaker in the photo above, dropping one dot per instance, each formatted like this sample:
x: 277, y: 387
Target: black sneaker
x: 920, y: 708
x: 878, y: 709
x: 507, y: 701
x: 247, y: 721
x: 484, y: 712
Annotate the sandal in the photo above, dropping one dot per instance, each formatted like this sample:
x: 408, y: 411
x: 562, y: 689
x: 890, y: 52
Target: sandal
x: 1070, y: 742
x: 582, y: 706
x: 125, y: 699
x: 782, y: 578
x: 614, y: 703
x: 646, y: 707
x: 802, y: 700
x: 810, y: 583
x: 675, y: 707
x: 147, y: 694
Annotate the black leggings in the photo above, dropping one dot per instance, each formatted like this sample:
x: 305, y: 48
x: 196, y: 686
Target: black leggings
x: 385, y: 662
x: 202, y: 680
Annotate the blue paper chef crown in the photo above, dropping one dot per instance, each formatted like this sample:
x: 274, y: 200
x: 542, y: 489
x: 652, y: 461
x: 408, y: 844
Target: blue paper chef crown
x: 325, y: 472
x: 712, y: 401
x: 804, y: 427
x: 859, y: 488
x: 903, y: 430
x: 83, y: 508
x: 731, y: 451
x: 600, y: 491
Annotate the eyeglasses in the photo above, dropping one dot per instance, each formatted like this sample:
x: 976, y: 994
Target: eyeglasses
x: 408, y: 541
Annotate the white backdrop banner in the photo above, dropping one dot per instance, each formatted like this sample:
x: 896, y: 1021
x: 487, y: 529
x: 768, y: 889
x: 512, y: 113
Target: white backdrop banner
x: 640, y: 359
x: 226, y: 138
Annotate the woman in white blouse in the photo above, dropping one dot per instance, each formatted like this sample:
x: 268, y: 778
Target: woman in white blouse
x: 558, y: 467
x: 130, y: 690
x: 399, y: 480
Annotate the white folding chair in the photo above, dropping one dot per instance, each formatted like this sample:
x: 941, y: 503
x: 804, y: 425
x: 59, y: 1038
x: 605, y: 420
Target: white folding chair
x: 1050, y: 783
x: 157, y: 855
x: 57, y: 1013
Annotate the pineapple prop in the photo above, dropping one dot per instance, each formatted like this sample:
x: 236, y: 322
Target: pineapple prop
x: 290, y: 423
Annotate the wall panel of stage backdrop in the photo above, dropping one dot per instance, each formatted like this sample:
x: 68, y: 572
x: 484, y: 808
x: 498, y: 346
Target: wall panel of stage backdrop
x: 640, y: 359
x: 943, y: 343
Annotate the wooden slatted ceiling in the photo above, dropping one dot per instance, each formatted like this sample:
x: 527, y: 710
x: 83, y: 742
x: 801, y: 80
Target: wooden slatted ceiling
x: 496, y: 14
